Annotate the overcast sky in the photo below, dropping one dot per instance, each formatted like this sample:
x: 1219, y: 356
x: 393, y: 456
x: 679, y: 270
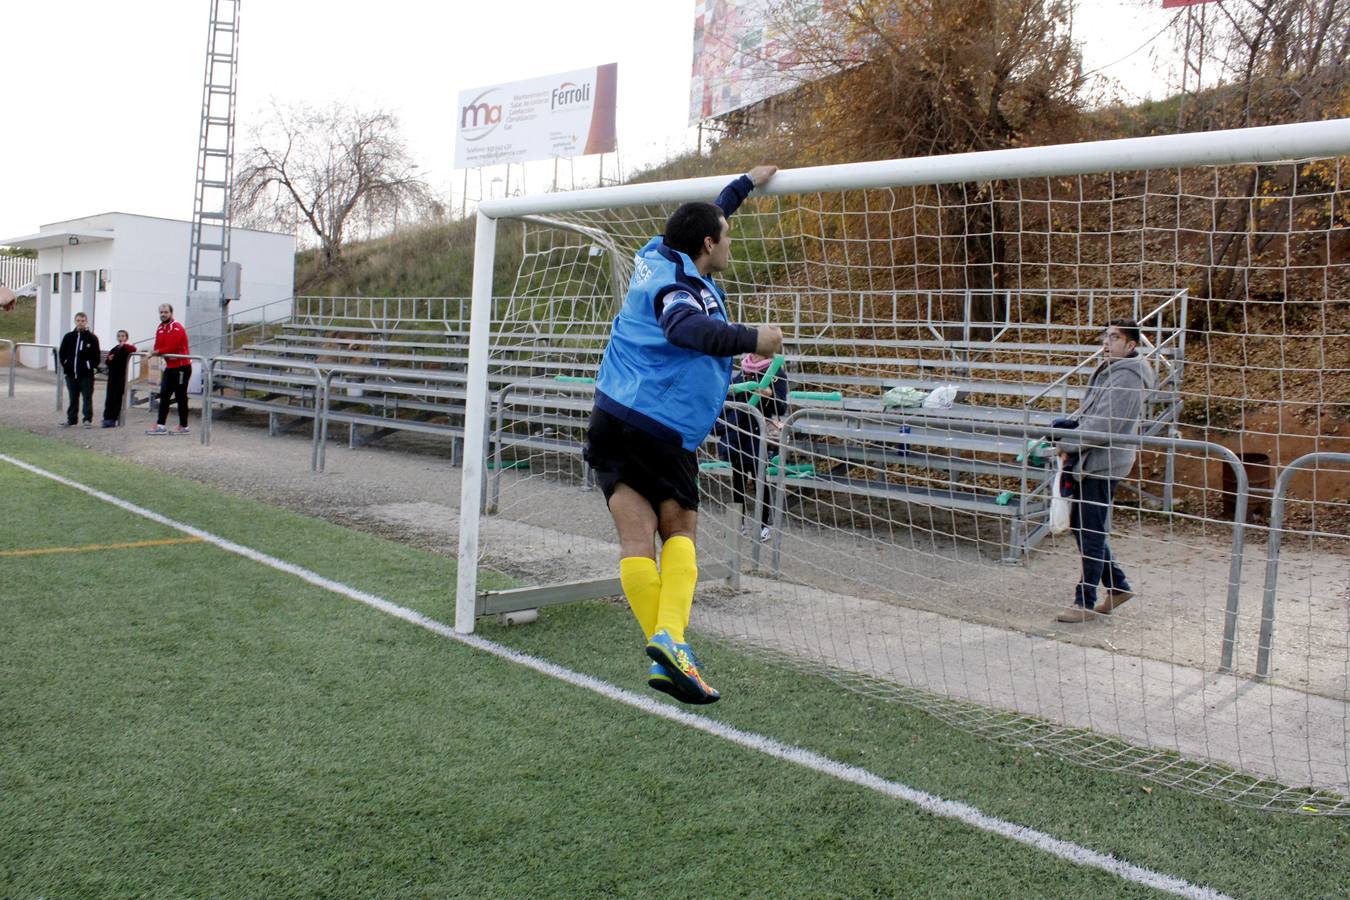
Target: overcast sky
x: 103, y: 98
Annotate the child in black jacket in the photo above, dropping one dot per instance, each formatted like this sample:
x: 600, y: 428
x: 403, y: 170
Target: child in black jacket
x: 118, y: 359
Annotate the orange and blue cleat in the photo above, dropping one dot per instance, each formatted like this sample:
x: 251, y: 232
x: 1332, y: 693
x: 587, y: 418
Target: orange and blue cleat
x: 682, y: 669
x: 658, y: 679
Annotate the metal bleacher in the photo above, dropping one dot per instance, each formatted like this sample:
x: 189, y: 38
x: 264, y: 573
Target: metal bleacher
x: 970, y: 458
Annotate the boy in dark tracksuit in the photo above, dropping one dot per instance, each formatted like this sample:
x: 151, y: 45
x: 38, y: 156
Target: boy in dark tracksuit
x: 117, y: 361
x: 738, y: 433
x: 79, y: 357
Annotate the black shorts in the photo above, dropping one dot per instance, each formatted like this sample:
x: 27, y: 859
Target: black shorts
x: 620, y: 453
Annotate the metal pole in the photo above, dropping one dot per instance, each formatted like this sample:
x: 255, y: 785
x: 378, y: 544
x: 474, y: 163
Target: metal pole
x: 323, y: 415
x: 496, y: 447
x: 780, y: 491
x: 56, y: 361
x: 206, y: 407
x: 126, y: 387
x: 763, y: 476
x: 207, y: 387
x: 13, y: 354
x: 1247, y: 145
x: 475, y: 423
x: 1267, y: 638
x: 319, y: 395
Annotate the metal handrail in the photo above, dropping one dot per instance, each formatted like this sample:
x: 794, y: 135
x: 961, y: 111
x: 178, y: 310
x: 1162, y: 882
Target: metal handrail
x: 567, y: 387
x: 12, y: 353
x: 318, y: 383
x: 966, y: 323
x: 226, y: 318
x: 56, y: 364
x: 312, y: 308
x: 1026, y: 404
x: 391, y: 374
x: 206, y: 385
x: 1130, y: 440
x: 1155, y: 348
x: 1266, y: 641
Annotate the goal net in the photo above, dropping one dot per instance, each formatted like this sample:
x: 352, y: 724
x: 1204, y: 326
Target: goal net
x: 881, y: 511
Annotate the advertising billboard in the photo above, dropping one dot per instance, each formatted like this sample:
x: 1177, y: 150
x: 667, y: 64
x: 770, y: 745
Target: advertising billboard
x: 743, y: 52
x: 569, y: 114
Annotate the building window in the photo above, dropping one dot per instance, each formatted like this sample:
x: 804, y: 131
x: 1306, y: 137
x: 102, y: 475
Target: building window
x: 104, y: 279
x: 56, y: 283
x: 78, y: 280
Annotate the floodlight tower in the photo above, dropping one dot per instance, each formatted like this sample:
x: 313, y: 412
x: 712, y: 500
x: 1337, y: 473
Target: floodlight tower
x: 209, y: 268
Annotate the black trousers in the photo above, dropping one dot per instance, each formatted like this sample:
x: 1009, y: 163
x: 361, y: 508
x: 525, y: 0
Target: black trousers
x: 174, y: 384
x: 1090, y: 518
x: 744, y: 478
x: 80, y: 388
x: 112, y: 401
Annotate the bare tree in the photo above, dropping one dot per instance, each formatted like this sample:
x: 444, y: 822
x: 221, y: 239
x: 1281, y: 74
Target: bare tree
x: 326, y: 169
x: 1271, y: 61
x: 1267, y: 62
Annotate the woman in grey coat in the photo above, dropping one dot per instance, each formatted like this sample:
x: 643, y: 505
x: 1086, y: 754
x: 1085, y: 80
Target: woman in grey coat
x: 1114, y: 404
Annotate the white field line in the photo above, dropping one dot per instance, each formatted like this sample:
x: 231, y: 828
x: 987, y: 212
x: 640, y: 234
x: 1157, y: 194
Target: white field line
x: 948, y: 809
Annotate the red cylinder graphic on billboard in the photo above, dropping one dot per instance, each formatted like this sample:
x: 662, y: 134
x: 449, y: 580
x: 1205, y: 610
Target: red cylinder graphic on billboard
x: 602, y: 138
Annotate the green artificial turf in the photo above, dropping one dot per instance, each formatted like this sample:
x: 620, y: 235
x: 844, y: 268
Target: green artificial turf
x: 180, y: 721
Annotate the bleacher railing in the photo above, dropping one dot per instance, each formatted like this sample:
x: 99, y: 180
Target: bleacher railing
x: 14, y: 358
x: 1266, y: 641
x: 383, y: 311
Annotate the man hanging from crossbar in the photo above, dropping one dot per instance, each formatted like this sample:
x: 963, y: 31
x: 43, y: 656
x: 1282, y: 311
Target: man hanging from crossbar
x: 660, y: 388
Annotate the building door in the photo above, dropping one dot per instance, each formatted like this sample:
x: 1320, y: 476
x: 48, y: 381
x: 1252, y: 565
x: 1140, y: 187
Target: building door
x: 67, y: 320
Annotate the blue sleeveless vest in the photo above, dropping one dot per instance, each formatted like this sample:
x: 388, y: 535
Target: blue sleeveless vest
x: 669, y: 392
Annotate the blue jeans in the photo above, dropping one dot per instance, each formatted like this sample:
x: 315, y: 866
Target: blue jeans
x: 1090, y: 519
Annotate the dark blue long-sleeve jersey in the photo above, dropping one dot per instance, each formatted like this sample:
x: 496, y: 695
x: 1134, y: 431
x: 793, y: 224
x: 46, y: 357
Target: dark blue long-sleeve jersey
x: 682, y: 316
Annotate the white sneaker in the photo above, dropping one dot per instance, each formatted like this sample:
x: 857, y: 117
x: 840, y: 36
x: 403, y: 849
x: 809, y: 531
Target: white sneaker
x: 765, y: 533
x: 745, y: 529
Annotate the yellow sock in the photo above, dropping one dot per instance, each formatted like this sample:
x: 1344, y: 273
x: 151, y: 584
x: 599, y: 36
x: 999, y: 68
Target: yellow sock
x: 642, y: 586
x: 679, y: 575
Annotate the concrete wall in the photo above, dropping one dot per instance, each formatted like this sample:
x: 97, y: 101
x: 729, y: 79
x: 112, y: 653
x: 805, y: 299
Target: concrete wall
x: 147, y: 265
x: 268, y: 262
x: 56, y: 314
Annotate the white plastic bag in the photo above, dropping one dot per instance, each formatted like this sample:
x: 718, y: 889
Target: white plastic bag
x: 1059, y: 504
x: 941, y: 397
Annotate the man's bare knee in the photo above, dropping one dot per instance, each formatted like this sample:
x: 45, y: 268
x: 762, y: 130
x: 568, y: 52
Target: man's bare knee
x: 676, y: 521
x: 636, y: 522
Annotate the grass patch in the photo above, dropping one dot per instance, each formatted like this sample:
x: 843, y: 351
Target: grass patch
x: 178, y: 720
x: 19, y: 324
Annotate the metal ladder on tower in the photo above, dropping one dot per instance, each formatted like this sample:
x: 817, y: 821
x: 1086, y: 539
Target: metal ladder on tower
x: 210, y: 248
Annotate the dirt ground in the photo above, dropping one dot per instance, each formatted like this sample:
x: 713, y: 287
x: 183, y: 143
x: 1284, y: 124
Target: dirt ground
x: 923, y: 599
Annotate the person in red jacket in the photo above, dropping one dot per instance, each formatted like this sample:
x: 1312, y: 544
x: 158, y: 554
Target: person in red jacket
x: 170, y: 339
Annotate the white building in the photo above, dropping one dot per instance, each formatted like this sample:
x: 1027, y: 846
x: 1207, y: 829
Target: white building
x: 117, y: 269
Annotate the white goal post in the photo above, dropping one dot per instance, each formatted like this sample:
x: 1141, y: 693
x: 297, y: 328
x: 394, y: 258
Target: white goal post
x: 1272, y: 143
x: 906, y: 551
